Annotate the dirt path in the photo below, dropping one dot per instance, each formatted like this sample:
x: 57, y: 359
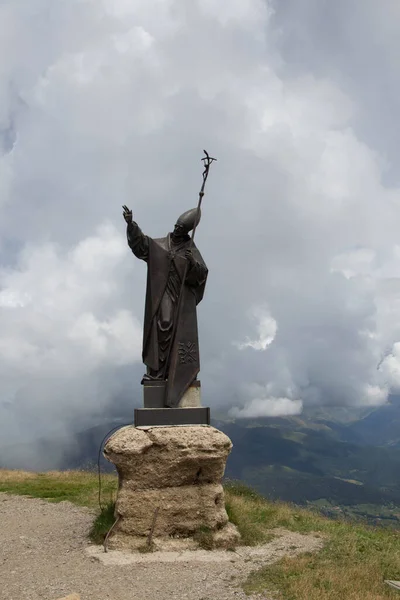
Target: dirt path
x: 44, y: 555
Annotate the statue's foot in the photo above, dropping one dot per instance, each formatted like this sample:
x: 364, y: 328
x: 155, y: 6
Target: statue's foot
x: 148, y: 377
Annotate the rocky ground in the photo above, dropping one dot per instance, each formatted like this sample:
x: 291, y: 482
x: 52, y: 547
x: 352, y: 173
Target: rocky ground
x: 45, y: 555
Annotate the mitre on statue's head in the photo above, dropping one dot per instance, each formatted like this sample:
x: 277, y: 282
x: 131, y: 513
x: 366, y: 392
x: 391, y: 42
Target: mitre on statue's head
x: 189, y: 219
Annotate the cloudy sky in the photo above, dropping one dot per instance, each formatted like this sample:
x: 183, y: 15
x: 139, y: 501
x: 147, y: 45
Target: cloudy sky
x: 110, y: 102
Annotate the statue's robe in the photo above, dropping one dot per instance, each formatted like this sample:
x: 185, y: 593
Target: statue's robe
x: 166, y: 264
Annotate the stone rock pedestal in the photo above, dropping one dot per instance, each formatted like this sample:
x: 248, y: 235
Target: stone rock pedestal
x: 169, y: 478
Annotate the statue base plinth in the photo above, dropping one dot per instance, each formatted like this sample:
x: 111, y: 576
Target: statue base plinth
x: 154, y: 394
x: 169, y: 486
x: 166, y: 417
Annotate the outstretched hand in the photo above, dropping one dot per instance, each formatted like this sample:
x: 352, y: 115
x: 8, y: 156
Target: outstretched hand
x: 127, y: 214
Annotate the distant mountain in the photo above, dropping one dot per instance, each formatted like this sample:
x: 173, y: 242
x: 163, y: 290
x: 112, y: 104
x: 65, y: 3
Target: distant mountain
x: 307, y: 462
x: 381, y: 427
x: 336, y: 414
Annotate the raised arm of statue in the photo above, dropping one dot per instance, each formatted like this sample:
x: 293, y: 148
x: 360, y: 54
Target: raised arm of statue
x: 137, y: 241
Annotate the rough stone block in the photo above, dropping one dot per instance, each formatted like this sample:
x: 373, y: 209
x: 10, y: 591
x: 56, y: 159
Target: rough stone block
x: 174, y: 473
x: 181, y: 510
x: 168, y: 456
x: 228, y: 537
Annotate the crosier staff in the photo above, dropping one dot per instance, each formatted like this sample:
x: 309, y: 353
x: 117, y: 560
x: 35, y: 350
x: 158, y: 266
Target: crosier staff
x: 207, y: 160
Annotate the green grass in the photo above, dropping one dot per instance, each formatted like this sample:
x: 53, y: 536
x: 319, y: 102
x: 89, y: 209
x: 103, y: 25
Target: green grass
x: 355, y: 560
x: 78, y: 487
x: 353, y: 564
x: 204, y: 538
x: 102, y: 523
x: 251, y: 526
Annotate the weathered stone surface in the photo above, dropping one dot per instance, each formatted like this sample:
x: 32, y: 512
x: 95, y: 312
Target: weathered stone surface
x: 131, y: 543
x: 71, y: 597
x: 181, y: 510
x: 228, y: 537
x: 191, y: 398
x: 168, y: 456
x: 174, y: 473
x: 127, y: 442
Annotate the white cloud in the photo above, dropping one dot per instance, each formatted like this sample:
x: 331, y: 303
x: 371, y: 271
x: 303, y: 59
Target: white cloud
x: 268, y: 407
x: 375, y: 395
x: 104, y: 103
x: 264, y: 400
x: 266, y: 330
x: 390, y: 367
x: 64, y: 326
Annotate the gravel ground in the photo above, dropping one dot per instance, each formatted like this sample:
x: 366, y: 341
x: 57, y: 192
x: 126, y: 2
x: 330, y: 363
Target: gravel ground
x: 44, y: 555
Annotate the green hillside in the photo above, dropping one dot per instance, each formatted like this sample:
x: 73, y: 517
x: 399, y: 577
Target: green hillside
x: 308, y: 462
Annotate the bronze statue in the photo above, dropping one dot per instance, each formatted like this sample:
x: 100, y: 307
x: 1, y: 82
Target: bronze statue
x: 170, y: 260
x: 176, y: 280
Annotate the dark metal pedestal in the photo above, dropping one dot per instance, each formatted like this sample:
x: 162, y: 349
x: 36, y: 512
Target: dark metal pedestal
x: 154, y: 394
x: 171, y: 416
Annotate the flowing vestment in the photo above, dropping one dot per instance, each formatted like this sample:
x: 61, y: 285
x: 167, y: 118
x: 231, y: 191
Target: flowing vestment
x: 166, y: 265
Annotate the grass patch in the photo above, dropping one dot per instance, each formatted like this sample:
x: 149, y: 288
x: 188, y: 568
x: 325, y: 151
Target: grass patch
x: 78, y: 487
x: 247, y: 510
x: 353, y: 564
x: 204, y: 537
x: 102, y: 523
